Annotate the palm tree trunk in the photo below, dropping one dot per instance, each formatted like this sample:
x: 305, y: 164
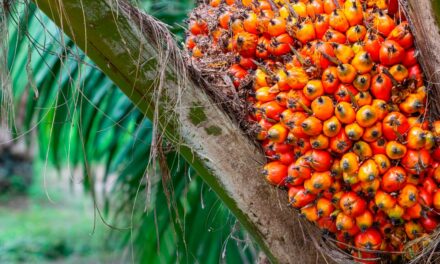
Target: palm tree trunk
x: 132, y: 49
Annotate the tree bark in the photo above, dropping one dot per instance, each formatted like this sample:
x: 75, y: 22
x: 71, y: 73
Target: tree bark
x: 424, y: 17
x: 129, y: 50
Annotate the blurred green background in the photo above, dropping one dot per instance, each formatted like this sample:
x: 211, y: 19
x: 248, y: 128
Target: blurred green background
x: 77, y: 183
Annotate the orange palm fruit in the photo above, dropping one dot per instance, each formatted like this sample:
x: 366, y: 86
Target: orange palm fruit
x: 382, y: 162
x: 366, y: 116
x: 399, y: 72
x: 363, y: 150
x: 276, y: 26
x: 368, y: 171
x: 395, y: 150
x: 275, y: 173
x: 297, y: 78
x: 413, y: 229
x: 354, y: 131
x: 331, y: 127
x: 345, y: 113
x: 344, y: 222
x: 414, y: 103
x: 343, y: 53
x: 383, y: 23
x: 373, y: 133
x: 321, y: 25
x: 319, y: 142
x: 277, y: 133
x: 325, y: 207
x: 370, y: 188
x: 346, y: 73
x: 363, y: 98
x: 305, y: 32
x: 349, y: 162
x: 365, y: 220
x: 338, y: 21
x: 362, y: 62
x: 312, y: 126
x: 322, y: 107
x: 362, y: 82
x: 356, y: 33
x: 384, y: 200
x: 313, y: 89
x: 353, y: 12
x: 408, y: 196
x: 381, y: 108
x: 310, y: 212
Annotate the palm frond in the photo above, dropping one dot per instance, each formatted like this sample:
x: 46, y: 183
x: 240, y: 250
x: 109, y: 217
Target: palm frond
x: 81, y: 119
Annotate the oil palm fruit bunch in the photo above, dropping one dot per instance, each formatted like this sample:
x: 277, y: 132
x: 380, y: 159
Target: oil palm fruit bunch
x: 340, y: 102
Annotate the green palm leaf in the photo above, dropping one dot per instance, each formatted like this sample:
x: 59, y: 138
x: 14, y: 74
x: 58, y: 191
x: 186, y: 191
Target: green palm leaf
x: 82, y: 119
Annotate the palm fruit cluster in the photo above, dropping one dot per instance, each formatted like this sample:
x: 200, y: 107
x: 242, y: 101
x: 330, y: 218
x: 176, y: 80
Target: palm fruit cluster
x: 341, y: 107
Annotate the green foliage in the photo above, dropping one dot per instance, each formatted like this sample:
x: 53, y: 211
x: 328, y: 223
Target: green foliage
x: 81, y: 119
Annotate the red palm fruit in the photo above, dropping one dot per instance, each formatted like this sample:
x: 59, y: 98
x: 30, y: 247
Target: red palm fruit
x: 384, y: 200
x: 425, y: 198
x: 280, y: 45
x: 365, y: 220
x: 343, y: 241
x: 327, y: 224
x: 340, y: 143
x: 325, y: 207
x: 383, y: 163
x: 430, y: 185
x: 373, y: 43
x: 262, y: 50
x: 312, y: 126
x: 275, y: 173
x: 383, y: 23
x: 272, y: 110
x: 370, y: 239
x: 314, y: 8
x: 408, y: 196
x: 345, y: 93
x: 245, y: 43
x: 373, y: 133
x: 352, y: 205
x: 332, y: 5
x: 416, y: 161
x: 286, y: 158
x: 395, y: 125
x: 379, y: 146
x: 381, y: 87
x: 302, y: 198
x: 276, y: 26
x: 321, y: 25
x: 320, y: 160
x: 402, y: 35
x: 391, y: 53
x: 410, y: 58
x: 310, y: 212
x: 334, y: 36
x: 338, y: 21
x: 414, y: 212
x: 293, y: 119
x: 429, y: 223
x: 415, y: 73
x: 362, y: 82
x: 322, y: 107
x: 394, y: 179
x: 224, y: 20
x: 318, y: 58
x: 198, y: 26
x: 300, y: 169
x: 344, y: 222
x: 395, y: 150
x: 330, y: 80
x: 413, y: 229
x: 263, y: 126
x: 237, y: 73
